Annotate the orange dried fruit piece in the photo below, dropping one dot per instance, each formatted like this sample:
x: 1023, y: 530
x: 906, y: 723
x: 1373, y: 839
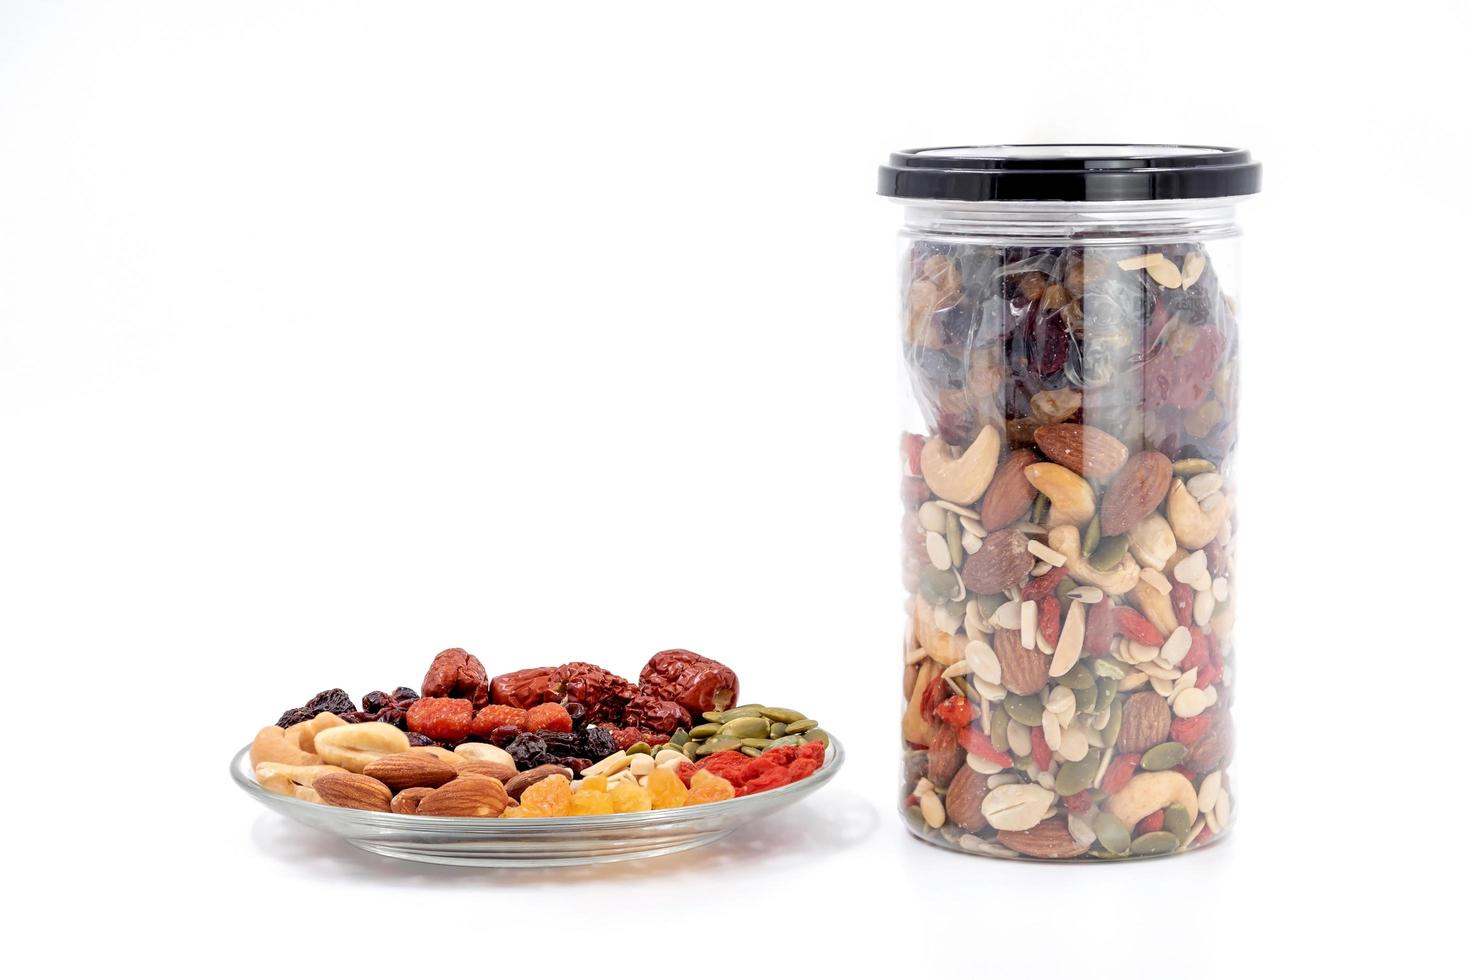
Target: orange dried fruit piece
x: 705, y: 787
x: 665, y: 789
x: 590, y: 802
x: 628, y: 797
x: 551, y: 797
x: 596, y: 784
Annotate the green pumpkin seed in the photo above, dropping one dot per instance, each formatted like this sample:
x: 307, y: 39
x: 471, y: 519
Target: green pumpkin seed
x: 801, y: 725
x: 719, y: 743
x: 777, y: 729
x: 1191, y: 467
x: 1164, y: 756
x: 639, y: 748
x: 1106, y: 667
x: 780, y: 743
x: 786, y: 715
x: 679, y: 738
x: 1175, y: 821
x: 756, y: 743
x: 816, y: 735
x: 1111, y: 834
x: 999, y: 726
x: 746, y: 727
x: 1041, y: 508
x: 936, y: 585
x: 1112, y: 729
x: 1108, y: 552
x: 743, y: 711
x: 955, y: 540
x: 714, y: 716
x: 1076, y: 776
x: 700, y: 732
x: 753, y: 753
x: 690, y: 749
x: 1091, y: 538
x: 1025, y: 710
x: 1076, y: 678
x: 990, y: 602
x: 1085, y: 699
x: 1157, y: 842
x: 1105, y: 693
x: 1065, y: 585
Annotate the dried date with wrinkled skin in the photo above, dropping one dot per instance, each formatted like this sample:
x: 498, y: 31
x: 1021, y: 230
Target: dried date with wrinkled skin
x: 695, y: 682
x: 456, y: 673
x: 651, y: 713
x: 523, y: 688
x: 604, y: 694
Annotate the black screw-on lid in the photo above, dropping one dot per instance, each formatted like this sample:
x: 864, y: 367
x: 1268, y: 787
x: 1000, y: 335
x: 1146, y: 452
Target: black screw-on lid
x: 1069, y: 172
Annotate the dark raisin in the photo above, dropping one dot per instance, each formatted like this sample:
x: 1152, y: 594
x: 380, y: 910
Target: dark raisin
x: 376, y: 700
x: 404, y: 694
x: 503, y: 735
x: 598, y: 743
x: 335, y: 700
x: 418, y: 738
x: 576, y: 710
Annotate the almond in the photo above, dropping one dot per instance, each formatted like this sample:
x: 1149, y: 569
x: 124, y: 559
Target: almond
x: 945, y: 756
x: 466, y: 796
x: 407, y: 801
x: 1135, y: 492
x: 1009, y: 495
x: 1084, y: 449
x: 1145, y: 719
x: 965, y: 799
x: 523, y: 781
x: 494, y: 770
x: 353, y: 790
x: 1046, y: 839
x: 1001, y: 563
x: 1021, y: 671
x: 406, y: 769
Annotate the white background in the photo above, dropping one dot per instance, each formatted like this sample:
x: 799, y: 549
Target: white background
x: 335, y: 334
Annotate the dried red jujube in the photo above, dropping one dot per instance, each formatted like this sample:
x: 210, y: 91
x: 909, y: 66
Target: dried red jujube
x: 456, y: 673
x: 693, y: 681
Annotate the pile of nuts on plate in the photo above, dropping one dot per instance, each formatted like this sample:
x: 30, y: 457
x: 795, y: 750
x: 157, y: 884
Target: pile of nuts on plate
x: 573, y: 740
x: 1068, y: 549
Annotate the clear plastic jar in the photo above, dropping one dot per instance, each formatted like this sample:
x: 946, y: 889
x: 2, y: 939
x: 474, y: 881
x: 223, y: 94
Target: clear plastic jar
x: 1069, y: 323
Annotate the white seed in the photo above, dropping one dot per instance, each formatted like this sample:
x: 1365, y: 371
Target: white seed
x: 1101, y: 770
x: 1142, y: 653
x: 1153, y: 668
x: 1072, y: 636
x: 958, y: 509
x: 1029, y: 614
x: 1156, y: 579
x: 1208, y: 791
x: 1050, y: 725
x: 1073, y: 744
x: 1134, y: 262
x: 1193, y: 570
x: 1204, y: 484
x: 1176, y: 647
x: 986, y: 718
x: 1017, y: 806
x: 924, y: 785
x: 915, y: 655
x: 1163, y: 272
x: 1046, y: 554
x: 615, y: 762
x: 1198, y: 826
x: 1006, y: 617
x: 932, y: 808
x: 1043, y: 645
x: 1094, y: 737
x: 1162, y: 686
x: 958, y: 669
x: 1132, y: 681
x: 669, y: 757
x: 981, y: 765
x: 938, y: 551
x: 641, y: 764
x: 1030, y: 528
x: 1211, y: 693
x: 1100, y: 719
x: 1212, y: 819
x: 947, y: 619
x: 1220, y: 589
x: 1223, y: 809
x: 972, y: 526
x: 932, y: 518
x: 1189, y: 679
x: 1209, y: 504
x: 1045, y: 779
x: 974, y: 623
x: 1203, y: 604
x: 983, y: 661
x: 1080, y: 830
x: 971, y: 542
x: 1062, y: 701
x: 1190, y: 703
x: 989, y: 692
x: 1002, y: 779
x: 1193, y: 267
x: 1019, y: 738
x: 1087, y: 594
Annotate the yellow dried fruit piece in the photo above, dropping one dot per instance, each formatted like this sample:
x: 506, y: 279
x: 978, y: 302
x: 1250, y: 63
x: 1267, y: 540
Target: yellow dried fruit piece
x: 705, y: 787
x: 590, y: 802
x: 597, y: 784
x: 551, y: 797
x: 628, y: 797
x: 666, y: 789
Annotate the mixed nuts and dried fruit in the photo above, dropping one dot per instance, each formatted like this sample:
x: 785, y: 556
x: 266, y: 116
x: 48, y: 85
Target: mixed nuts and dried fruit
x: 1068, y: 549
x: 573, y: 740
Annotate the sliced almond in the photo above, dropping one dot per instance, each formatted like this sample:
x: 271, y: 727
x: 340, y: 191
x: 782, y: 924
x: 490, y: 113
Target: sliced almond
x: 1072, y: 636
x: 1164, y: 273
x: 1193, y: 266
x: 1156, y: 579
x: 1029, y: 613
x: 1046, y: 554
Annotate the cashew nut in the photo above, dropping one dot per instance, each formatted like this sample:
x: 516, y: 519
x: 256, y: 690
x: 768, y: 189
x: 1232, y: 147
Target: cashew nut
x: 961, y: 479
x: 304, y: 733
x: 273, y: 744
x: 1156, y: 606
x: 1194, y: 526
x: 1119, y: 578
x: 1072, y: 501
x: 353, y: 746
x: 946, y: 648
x: 288, y: 780
x: 1152, y: 541
x: 1148, y: 792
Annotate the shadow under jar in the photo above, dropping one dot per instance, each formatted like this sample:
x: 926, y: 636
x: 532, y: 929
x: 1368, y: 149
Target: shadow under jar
x: 1069, y: 324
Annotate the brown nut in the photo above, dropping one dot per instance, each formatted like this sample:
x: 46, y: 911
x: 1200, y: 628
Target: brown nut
x: 1145, y: 718
x: 493, y: 770
x: 441, y: 753
x: 523, y: 781
x: 1046, y: 839
x: 402, y: 770
x: 288, y: 780
x: 467, y: 796
x: 353, y: 790
x: 407, y: 801
x: 966, y: 799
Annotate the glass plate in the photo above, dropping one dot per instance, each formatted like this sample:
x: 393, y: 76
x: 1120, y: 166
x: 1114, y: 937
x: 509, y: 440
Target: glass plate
x: 540, y: 841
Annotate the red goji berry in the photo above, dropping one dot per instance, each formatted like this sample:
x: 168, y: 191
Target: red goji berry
x: 1119, y: 773
x: 1134, y: 626
x: 1189, y: 730
x: 1151, y: 822
x: 1040, y: 749
x: 912, y: 452
x: 1197, y: 654
x: 1042, y: 585
x: 1204, y: 836
x: 1215, y: 650
x: 1207, y: 674
x: 956, y: 711
x: 1049, y: 620
x: 1077, y: 802
x: 1182, y: 604
x: 978, y: 743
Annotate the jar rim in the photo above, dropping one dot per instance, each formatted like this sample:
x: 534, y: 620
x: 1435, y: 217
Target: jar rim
x: 1076, y: 172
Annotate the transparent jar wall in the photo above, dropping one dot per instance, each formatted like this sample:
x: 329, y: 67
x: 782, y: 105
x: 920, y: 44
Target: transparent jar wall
x: 1068, y: 527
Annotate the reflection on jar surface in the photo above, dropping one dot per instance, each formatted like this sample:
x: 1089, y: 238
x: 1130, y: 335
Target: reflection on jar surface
x: 1068, y: 527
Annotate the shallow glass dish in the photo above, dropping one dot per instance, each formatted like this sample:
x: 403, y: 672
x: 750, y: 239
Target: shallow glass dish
x: 535, y: 842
